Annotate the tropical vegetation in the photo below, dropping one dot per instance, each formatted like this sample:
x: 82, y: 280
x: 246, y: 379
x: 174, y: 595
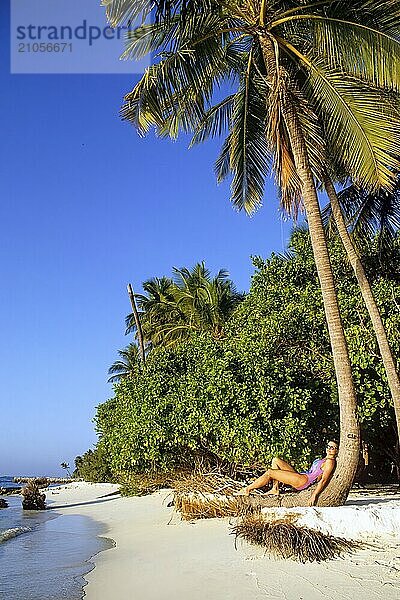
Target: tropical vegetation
x: 128, y: 363
x: 193, y: 301
x: 267, y: 387
x: 93, y: 465
x: 307, y: 89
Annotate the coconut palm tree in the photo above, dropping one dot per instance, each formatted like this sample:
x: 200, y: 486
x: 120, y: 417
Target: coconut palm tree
x: 192, y: 301
x: 65, y: 465
x: 207, y: 302
x: 128, y: 364
x: 157, y: 308
x: 290, y: 83
x: 369, y: 213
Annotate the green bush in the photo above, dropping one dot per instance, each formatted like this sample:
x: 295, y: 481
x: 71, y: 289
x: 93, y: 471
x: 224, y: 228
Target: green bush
x: 268, y: 388
x: 93, y: 466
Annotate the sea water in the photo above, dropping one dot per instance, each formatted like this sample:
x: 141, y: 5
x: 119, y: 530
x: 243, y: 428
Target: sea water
x: 44, y: 555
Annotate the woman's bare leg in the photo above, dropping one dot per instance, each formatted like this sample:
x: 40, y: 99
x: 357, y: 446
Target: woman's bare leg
x: 279, y: 463
x: 291, y: 478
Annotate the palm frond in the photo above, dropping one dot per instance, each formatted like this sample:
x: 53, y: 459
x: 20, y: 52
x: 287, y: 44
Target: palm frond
x: 361, y: 51
x: 246, y: 153
x: 128, y: 365
x: 147, y: 38
x: 173, y: 93
x: 382, y: 15
x: 372, y: 216
x: 124, y: 11
x: 362, y: 126
x: 215, y: 122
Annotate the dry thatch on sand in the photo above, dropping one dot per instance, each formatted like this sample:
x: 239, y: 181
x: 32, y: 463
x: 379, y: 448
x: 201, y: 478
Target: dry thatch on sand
x: 210, y: 495
x: 285, y: 539
x: 205, y: 496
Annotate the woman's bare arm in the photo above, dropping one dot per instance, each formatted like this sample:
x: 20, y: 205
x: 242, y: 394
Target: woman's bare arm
x: 329, y: 467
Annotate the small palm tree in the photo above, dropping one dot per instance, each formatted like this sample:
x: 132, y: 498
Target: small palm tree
x: 128, y: 364
x: 157, y: 308
x: 192, y: 301
x: 65, y: 466
x: 206, y: 302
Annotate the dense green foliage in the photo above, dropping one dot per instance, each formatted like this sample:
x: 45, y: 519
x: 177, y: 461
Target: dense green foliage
x: 93, y: 466
x: 268, y: 387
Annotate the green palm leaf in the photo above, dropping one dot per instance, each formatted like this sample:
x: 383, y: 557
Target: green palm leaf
x: 372, y: 216
x: 368, y: 54
x: 361, y: 124
x: 123, y: 11
x: 128, y: 365
x: 245, y: 153
x: 215, y: 121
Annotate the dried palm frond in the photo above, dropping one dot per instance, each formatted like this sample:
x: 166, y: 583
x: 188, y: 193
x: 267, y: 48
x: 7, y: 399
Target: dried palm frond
x: 209, y: 495
x: 214, y: 494
x: 284, y: 539
x: 207, y: 506
x: 213, y: 482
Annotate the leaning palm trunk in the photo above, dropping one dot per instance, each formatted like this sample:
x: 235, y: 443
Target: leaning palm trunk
x: 137, y: 323
x: 368, y: 297
x: 339, y: 487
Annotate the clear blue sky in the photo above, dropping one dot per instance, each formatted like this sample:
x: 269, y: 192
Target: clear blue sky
x: 86, y: 207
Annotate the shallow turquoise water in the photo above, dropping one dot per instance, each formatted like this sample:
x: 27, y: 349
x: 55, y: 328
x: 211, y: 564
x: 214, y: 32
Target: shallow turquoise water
x: 48, y: 560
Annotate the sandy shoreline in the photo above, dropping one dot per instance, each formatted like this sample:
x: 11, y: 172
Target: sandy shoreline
x: 158, y: 556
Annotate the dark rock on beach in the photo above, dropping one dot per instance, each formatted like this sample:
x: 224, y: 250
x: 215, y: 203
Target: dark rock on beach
x: 33, y: 499
x: 8, y: 491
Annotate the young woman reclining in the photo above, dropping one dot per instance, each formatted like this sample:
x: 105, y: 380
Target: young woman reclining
x: 281, y: 472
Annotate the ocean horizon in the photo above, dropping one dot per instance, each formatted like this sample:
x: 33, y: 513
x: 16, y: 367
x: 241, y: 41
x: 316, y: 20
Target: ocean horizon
x: 45, y: 555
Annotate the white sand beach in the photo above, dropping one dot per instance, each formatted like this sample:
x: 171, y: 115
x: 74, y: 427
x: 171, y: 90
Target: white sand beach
x: 156, y: 555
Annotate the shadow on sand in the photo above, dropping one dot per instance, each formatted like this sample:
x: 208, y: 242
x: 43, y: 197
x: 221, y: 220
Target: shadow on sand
x: 96, y: 501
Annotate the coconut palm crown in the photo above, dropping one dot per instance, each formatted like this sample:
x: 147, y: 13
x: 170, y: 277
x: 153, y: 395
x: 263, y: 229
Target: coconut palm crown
x: 193, y: 301
x: 372, y: 216
x: 337, y: 60
x: 128, y: 364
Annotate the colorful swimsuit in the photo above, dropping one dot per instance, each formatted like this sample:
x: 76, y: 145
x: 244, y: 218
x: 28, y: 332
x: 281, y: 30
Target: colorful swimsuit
x: 313, y: 473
